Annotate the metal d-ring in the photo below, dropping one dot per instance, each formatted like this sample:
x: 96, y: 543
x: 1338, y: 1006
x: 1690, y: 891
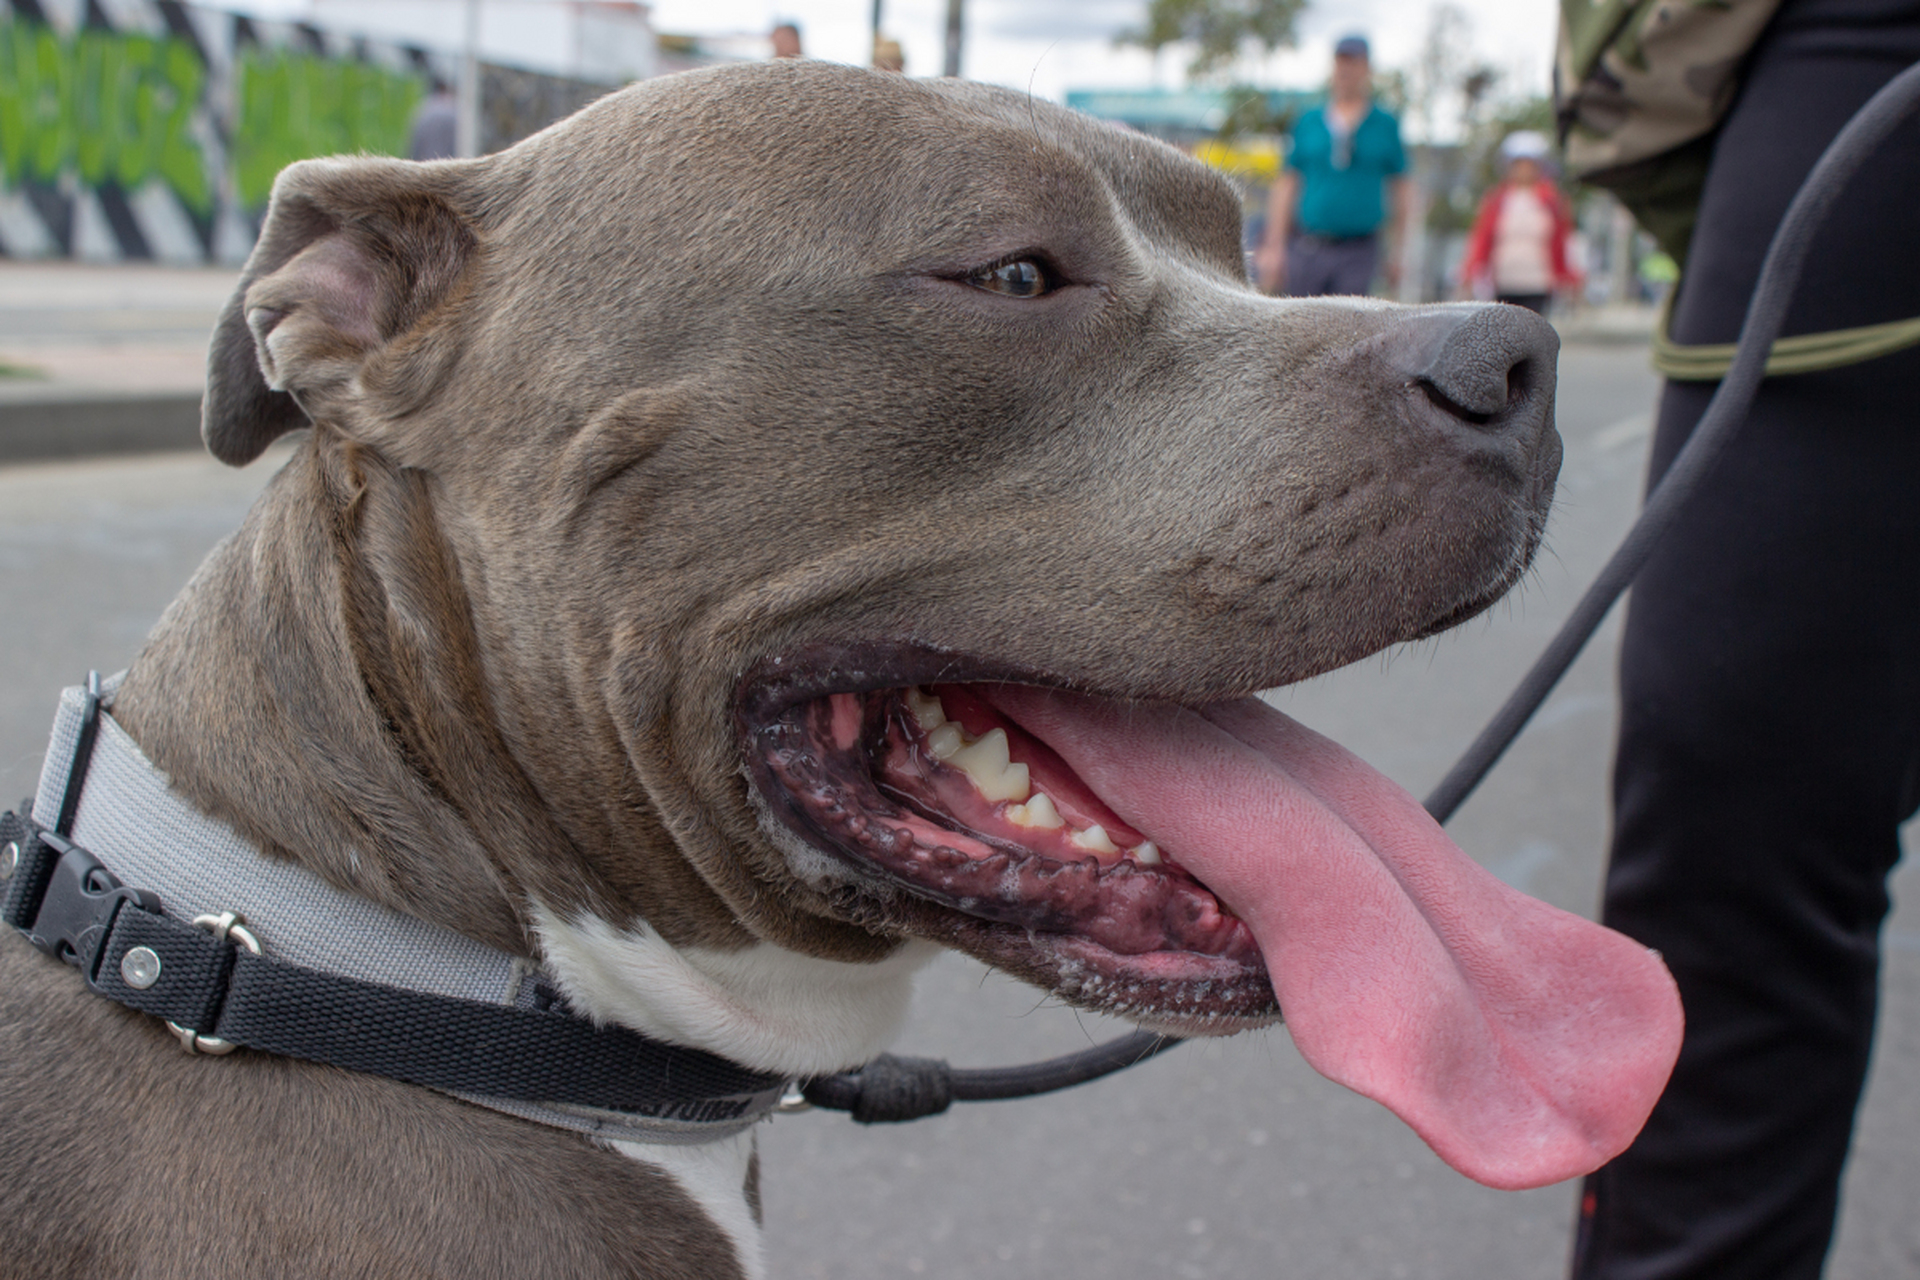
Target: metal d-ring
x: 225, y: 927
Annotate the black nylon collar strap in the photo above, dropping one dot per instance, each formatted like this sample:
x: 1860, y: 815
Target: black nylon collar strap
x: 71, y: 907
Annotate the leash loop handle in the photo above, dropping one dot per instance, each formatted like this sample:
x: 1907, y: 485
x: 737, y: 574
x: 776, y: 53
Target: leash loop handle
x: 888, y: 1090
x: 891, y: 1089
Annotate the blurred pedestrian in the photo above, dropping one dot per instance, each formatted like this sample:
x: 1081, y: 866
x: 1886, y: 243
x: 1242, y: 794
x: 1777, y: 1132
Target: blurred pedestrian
x: 889, y: 56
x: 436, y: 124
x: 1345, y: 166
x: 786, y: 40
x: 1517, y: 251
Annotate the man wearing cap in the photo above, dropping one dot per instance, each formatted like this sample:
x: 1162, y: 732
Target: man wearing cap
x: 1345, y: 165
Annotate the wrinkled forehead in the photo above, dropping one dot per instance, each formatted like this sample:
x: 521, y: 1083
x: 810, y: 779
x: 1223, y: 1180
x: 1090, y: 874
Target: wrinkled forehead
x: 844, y: 154
x: 1040, y: 152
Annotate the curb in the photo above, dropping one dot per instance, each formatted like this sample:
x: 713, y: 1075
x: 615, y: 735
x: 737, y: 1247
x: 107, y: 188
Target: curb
x: 88, y: 424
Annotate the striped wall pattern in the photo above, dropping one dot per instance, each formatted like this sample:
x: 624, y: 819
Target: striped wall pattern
x: 151, y: 129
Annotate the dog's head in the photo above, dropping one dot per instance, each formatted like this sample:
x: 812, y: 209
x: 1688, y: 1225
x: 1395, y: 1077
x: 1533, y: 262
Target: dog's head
x: 870, y: 503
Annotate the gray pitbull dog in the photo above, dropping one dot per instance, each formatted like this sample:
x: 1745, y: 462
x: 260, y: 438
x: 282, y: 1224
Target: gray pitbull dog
x: 776, y: 521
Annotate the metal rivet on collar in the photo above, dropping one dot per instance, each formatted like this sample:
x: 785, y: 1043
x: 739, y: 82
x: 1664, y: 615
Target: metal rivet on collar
x: 9, y: 859
x: 140, y: 967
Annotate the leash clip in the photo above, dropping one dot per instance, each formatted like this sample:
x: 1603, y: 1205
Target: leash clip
x: 79, y: 905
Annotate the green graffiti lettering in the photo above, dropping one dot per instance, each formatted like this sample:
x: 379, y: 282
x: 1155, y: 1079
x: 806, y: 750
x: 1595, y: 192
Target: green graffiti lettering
x: 263, y: 92
x: 104, y: 71
x: 107, y: 106
x: 15, y: 91
x: 295, y: 105
x: 165, y: 117
x: 49, y: 117
x: 35, y: 132
x: 117, y: 107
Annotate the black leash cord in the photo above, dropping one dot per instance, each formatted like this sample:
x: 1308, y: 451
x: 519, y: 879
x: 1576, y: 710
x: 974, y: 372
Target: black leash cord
x: 892, y: 1088
x: 907, y: 1088
x: 1779, y: 276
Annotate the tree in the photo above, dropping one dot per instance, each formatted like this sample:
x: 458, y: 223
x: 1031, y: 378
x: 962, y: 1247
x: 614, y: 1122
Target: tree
x: 1219, y: 29
x: 1446, y: 74
x: 1249, y: 109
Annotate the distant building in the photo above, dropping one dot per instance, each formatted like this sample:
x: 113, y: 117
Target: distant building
x: 601, y: 41
x: 685, y: 53
x: 152, y: 130
x: 1186, y: 117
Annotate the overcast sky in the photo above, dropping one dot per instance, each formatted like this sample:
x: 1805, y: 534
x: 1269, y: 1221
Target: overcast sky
x: 1056, y: 45
x: 1051, y: 46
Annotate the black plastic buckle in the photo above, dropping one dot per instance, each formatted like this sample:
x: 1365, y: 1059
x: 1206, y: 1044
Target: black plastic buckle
x: 79, y: 905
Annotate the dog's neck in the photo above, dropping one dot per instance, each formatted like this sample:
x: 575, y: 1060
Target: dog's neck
x: 250, y: 696
x: 329, y: 658
x: 274, y: 708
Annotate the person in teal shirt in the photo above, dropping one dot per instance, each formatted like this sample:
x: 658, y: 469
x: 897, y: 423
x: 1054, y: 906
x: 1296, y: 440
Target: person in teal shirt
x: 1345, y: 165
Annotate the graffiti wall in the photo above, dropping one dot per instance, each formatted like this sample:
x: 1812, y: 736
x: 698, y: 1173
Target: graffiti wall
x: 153, y: 129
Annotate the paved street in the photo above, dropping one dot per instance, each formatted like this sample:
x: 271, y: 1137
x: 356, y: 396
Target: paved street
x: 1224, y: 1159
x: 72, y: 327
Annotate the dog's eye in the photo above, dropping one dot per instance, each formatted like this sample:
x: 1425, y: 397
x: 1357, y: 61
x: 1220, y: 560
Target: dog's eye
x: 1020, y: 278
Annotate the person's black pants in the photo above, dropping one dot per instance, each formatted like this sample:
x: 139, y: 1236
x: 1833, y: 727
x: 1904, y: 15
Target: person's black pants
x: 1318, y: 267
x: 1770, y: 695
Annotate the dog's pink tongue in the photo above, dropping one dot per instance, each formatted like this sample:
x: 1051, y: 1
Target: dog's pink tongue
x: 1526, y: 1045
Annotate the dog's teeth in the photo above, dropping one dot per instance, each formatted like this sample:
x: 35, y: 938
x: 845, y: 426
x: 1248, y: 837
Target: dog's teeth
x: 1147, y: 853
x: 926, y: 708
x: 1094, y: 840
x: 944, y: 740
x: 1037, y: 812
x: 985, y: 761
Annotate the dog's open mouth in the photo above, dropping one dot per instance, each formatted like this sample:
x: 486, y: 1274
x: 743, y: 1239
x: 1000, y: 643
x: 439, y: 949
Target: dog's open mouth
x: 1191, y: 866
x: 942, y: 792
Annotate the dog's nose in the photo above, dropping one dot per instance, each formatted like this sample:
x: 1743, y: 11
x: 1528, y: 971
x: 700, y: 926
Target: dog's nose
x: 1487, y: 366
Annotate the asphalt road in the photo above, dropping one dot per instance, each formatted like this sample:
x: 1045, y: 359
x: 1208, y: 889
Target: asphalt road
x: 1223, y: 1159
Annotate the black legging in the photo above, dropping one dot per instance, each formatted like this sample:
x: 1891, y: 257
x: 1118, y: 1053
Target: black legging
x: 1770, y: 695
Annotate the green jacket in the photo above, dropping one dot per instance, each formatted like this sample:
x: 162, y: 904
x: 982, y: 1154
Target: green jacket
x: 1639, y: 88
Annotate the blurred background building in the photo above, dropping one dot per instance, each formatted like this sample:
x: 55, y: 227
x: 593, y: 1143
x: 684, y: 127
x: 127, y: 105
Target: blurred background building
x: 151, y: 129
x: 587, y: 40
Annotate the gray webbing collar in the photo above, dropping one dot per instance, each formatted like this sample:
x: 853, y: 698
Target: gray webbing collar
x: 151, y: 838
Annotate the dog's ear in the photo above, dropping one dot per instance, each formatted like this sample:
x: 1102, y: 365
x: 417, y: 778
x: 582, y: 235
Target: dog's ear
x: 354, y: 254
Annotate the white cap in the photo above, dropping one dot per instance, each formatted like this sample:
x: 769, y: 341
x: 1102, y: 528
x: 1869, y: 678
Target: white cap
x: 1524, y: 145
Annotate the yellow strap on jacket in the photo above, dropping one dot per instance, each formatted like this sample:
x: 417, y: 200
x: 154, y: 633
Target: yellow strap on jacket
x: 1802, y: 353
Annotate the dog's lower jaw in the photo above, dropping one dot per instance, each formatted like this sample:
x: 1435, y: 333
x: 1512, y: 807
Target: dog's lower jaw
x: 764, y: 1007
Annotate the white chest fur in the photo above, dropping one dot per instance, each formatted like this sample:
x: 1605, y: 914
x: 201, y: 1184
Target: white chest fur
x: 715, y: 1175
x: 763, y: 1007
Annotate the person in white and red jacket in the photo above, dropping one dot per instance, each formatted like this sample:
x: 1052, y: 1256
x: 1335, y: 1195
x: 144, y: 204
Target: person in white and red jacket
x: 1517, y: 251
